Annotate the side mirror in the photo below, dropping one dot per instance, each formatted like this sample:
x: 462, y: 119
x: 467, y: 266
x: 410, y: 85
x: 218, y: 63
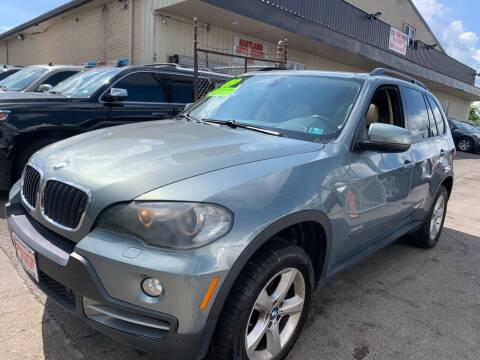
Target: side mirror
x: 386, y: 138
x: 45, y: 88
x: 116, y: 94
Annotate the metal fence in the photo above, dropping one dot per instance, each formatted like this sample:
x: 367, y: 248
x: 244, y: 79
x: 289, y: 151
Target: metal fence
x: 208, y: 61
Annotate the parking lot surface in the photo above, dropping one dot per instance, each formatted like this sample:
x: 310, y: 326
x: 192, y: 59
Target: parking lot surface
x: 401, y: 303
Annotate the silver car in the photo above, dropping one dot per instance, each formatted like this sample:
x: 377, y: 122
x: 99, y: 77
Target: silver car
x: 208, y: 233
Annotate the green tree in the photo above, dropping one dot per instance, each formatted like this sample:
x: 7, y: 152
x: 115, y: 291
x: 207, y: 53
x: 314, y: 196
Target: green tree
x: 474, y: 115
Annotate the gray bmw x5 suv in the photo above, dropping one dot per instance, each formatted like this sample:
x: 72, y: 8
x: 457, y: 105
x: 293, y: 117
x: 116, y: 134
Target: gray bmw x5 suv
x: 208, y: 233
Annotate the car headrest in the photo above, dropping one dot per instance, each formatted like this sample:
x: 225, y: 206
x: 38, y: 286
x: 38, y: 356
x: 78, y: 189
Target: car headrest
x: 373, y: 115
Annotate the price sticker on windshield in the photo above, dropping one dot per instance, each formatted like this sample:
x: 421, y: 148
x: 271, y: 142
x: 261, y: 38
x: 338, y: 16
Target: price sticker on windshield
x: 227, y: 88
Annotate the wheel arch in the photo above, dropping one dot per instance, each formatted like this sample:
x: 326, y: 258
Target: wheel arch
x: 306, y: 216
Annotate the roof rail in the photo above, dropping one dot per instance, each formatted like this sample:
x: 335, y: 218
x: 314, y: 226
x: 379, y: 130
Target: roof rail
x: 393, y: 73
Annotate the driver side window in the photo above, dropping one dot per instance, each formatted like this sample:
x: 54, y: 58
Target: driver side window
x: 385, y: 107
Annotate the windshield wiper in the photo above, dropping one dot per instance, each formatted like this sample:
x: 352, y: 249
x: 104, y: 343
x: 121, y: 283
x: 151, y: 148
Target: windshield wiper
x: 186, y: 116
x: 3, y: 87
x: 233, y: 124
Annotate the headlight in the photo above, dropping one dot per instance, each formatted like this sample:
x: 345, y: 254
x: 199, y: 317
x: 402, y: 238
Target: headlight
x: 174, y: 225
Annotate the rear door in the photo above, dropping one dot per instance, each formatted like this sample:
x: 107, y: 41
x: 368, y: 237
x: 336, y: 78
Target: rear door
x: 430, y: 146
x: 147, y: 99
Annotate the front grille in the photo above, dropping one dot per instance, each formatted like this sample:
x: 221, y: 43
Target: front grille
x: 56, y: 290
x: 31, y: 180
x: 64, y: 204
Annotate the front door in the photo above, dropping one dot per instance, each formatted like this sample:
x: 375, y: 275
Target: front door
x: 377, y: 199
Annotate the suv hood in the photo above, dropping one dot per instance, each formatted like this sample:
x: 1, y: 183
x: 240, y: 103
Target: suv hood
x: 128, y: 161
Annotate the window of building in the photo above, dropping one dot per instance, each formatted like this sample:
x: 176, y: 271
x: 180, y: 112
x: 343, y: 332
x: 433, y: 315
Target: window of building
x: 417, y: 114
x: 143, y: 87
x: 411, y: 32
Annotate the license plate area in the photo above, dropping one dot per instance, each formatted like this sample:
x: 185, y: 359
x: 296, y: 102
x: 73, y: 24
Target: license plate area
x: 26, y: 256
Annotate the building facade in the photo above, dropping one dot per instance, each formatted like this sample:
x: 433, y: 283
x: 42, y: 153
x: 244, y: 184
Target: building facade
x: 338, y: 35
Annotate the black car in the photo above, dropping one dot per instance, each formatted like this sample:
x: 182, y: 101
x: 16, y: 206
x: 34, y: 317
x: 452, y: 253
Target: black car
x: 90, y: 100
x: 6, y: 71
x: 466, y: 136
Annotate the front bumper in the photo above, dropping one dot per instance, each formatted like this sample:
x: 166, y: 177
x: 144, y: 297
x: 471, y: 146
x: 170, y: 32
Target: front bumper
x: 71, y: 280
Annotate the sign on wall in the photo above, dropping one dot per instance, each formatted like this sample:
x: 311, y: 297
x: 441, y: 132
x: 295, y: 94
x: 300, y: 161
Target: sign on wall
x: 246, y: 47
x: 398, y: 41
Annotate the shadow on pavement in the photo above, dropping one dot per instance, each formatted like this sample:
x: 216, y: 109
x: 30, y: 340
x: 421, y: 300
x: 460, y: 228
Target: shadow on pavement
x: 467, y: 156
x: 400, y: 303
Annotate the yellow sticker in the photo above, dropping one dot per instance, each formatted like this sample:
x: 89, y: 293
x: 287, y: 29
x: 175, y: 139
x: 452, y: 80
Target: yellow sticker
x: 227, y: 88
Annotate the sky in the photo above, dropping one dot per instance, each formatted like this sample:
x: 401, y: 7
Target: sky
x: 455, y: 22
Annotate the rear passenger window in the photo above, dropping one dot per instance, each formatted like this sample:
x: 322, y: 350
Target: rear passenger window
x: 437, y: 113
x: 417, y: 114
x: 181, y: 91
x: 143, y: 87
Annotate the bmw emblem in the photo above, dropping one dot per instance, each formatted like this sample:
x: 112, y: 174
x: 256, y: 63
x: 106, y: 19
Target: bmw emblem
x: 60, y: 165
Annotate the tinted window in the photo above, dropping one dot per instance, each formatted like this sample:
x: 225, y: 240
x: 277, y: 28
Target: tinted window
x: 417, y: 114
x: 431, y: 120
x: 143, y: 87
x: 437, y: 113
x: 58, y: 77
x: 181, y: 90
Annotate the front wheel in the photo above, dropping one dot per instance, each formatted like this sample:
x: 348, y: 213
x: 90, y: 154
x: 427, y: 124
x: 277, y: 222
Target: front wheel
x: 267, y: 307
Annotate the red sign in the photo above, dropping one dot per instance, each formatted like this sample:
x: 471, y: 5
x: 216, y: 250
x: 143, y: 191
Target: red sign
x: 398, y: 41
x: 249, y: 48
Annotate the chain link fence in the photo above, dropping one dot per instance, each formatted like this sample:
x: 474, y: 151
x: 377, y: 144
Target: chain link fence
x: 213, y: 66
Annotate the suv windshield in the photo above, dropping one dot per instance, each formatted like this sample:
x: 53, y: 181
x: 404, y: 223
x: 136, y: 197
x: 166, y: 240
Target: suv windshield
x: 312, y: 108
x: 83, y: 85
x: 22, y: 79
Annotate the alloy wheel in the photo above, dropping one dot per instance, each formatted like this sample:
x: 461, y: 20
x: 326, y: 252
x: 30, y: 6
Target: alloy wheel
x: 437, y: 217
x: 275, y: 315
x: 464, y: 145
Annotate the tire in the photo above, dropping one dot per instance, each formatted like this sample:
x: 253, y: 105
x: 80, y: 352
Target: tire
x: 465, y: 144
x: 244, y: 314
x: 22, y: 158
x: 425, y: 237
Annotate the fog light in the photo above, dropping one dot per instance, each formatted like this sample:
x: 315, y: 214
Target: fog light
x: 152, y: 287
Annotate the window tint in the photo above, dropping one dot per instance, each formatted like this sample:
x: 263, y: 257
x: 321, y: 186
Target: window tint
x: 181, y: 89
x: 437, y: 113
x: 58, y: 77
x: 417, y: 114
x: 431, y: 121
x: 143, y: 87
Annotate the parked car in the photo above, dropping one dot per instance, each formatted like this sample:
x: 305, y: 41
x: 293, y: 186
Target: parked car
x: 209, y: 232
x: 6, y: 71
x: 37, y: 78
x: 465, y: 135
x: 90, y: 100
